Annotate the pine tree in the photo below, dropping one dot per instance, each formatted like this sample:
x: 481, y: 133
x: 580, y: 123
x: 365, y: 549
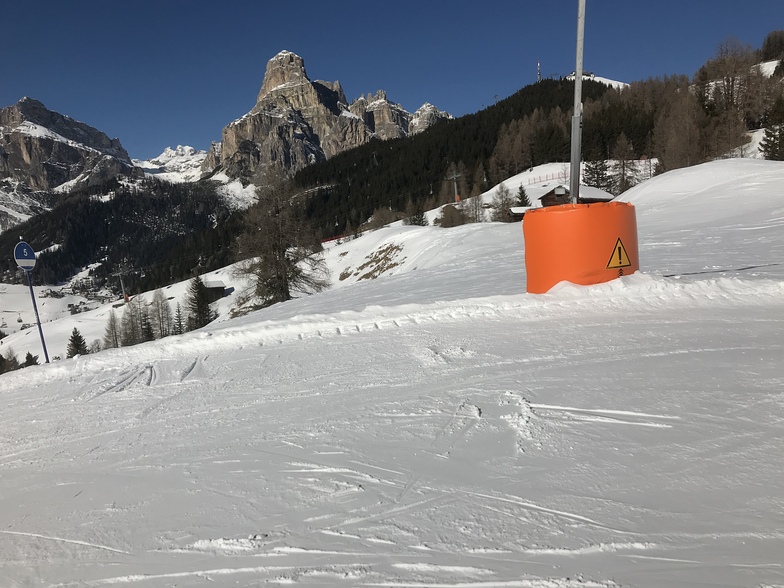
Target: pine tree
x: 772, y: 144
x: 146, y: 326
x: 76, y: 344
x: 197, y: 301
x: 596, y: 173
x: 178, y: 326
x: 415, y: 214
x: 522, y: 197
x: 10, y: 363
x: 30, y: 359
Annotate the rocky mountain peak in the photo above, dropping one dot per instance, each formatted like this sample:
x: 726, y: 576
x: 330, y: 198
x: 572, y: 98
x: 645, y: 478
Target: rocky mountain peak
x: 285, y: 69
x: 32, y: 111
x: 296, y: 122
x: 45, y: 149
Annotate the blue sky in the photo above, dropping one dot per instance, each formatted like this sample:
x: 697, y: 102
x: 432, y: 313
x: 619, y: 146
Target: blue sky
x: 162, y: 73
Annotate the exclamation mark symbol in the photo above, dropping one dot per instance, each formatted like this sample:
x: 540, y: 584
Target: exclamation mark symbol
x: 622, y: 258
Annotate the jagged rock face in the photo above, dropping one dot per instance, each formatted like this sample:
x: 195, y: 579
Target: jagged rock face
x: 347, y: 130
x: 286, y: 126
x: 285, y: 70
x: 213, y: 156
x: 45, y: 149
x: 426, y: 116
x: 286, y: 84
x: 296, y: 122
x: 275, y: 137
x: 385, y: 120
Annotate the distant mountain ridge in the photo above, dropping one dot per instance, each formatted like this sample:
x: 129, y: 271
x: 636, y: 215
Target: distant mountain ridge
x: 294, y: 123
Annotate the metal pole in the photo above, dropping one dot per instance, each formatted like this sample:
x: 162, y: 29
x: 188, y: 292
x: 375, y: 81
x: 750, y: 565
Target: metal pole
x: 454, y: 177
x: 577, y: 116
x: 122, y: 285
x: 37, y: 318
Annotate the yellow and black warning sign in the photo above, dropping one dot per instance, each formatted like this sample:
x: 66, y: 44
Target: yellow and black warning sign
x: 619, y: 257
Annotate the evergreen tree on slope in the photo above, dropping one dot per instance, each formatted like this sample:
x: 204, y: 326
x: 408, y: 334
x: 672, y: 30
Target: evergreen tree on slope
x: 76, y: 344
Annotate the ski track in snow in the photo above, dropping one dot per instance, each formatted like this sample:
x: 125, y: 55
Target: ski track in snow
x: 528, y: 420
x: 63, y: 540
x: 638, y: 294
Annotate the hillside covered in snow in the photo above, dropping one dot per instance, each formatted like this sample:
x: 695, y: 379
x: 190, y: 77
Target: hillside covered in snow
x: 434, y: 426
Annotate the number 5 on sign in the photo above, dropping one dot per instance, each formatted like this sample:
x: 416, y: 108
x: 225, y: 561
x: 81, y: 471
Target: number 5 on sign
x: 24, y: 256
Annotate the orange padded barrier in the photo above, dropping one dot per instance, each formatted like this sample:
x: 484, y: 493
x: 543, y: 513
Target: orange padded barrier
x: 579, y: 243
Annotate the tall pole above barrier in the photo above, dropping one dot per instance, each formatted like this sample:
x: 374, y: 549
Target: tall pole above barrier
x: 577, y: 114
x: 587, y: 243
x: 25, y: 259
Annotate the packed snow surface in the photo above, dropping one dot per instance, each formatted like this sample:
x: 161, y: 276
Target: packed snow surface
x: 435, y: 426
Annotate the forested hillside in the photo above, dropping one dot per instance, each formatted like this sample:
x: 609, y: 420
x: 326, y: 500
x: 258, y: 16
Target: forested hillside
x: 392, y: 173
x: 678, y: 121
x: 153, y: 231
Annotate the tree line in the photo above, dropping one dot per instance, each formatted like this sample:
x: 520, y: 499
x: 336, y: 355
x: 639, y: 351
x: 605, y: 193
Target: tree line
x: 673, y: 119
x: 138, y: 322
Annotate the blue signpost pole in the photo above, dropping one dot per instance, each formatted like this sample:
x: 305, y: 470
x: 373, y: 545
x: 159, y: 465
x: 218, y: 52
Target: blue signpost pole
x: 25, y: 259
x: 37, y: 318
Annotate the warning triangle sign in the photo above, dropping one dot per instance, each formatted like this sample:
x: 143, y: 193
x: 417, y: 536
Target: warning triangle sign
x: 619, y: 258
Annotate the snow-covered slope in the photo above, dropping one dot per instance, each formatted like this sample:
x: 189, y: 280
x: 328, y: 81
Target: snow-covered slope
x: 183, y: 164
x: 767, y: 68
x: 436, y: 426
x: 18, y: 203
x: 606, y: 81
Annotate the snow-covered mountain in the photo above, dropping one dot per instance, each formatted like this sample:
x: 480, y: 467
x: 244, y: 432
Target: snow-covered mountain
x: 182, y: 164
x: 436, y: 426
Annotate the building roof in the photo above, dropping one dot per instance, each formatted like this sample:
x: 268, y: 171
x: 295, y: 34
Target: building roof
x: 214, y: 284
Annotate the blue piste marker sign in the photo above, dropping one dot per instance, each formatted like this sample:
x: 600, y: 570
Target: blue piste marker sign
x: 24, y: 256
